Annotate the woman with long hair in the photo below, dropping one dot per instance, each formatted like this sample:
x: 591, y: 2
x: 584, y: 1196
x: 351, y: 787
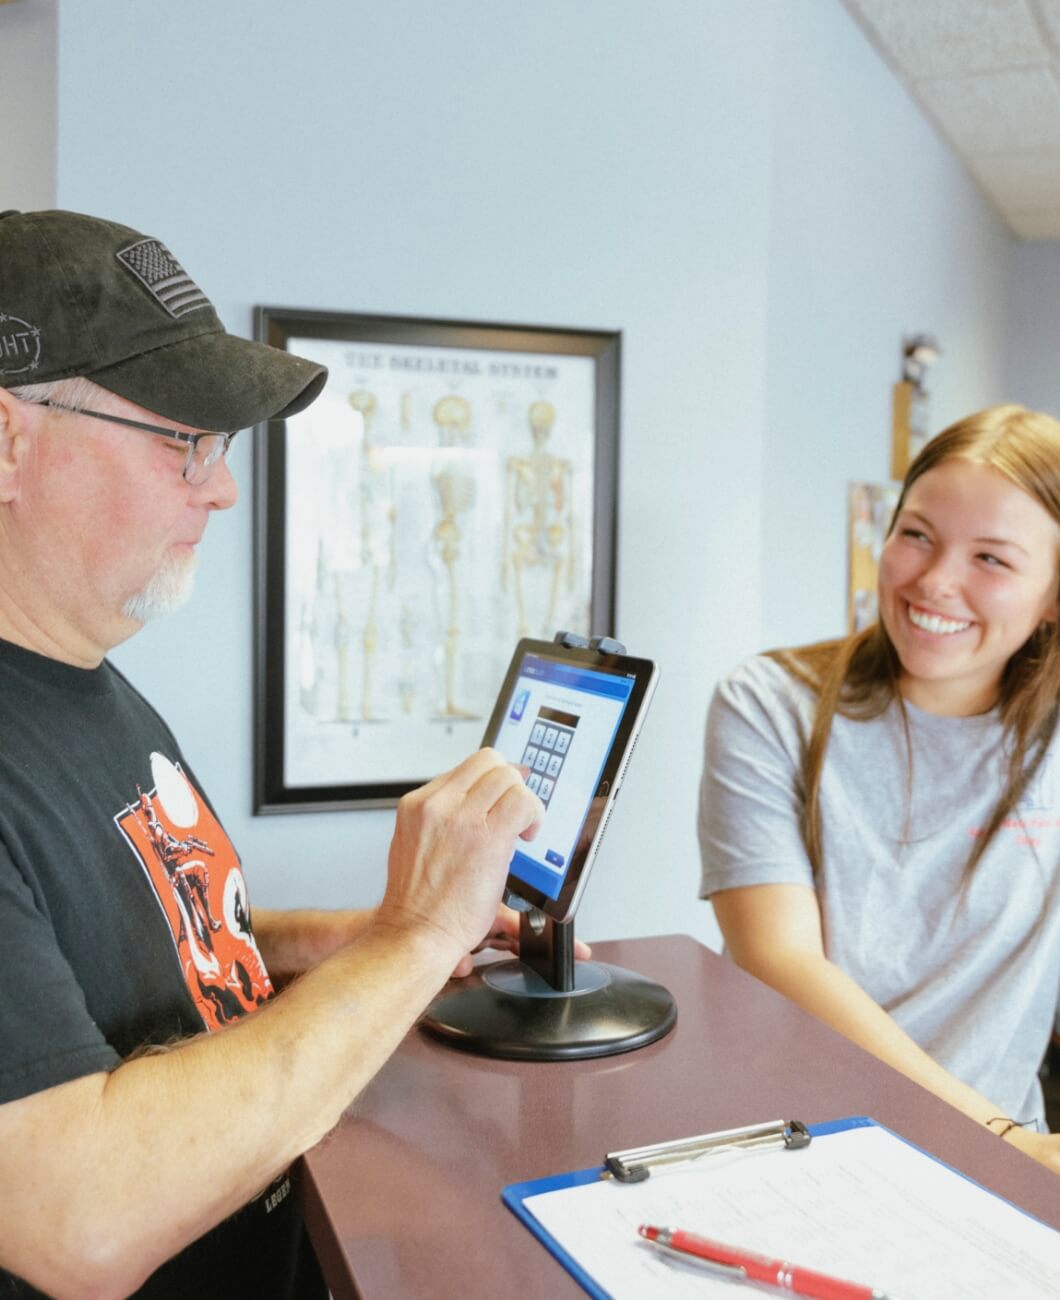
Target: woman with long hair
x: 880, y: 815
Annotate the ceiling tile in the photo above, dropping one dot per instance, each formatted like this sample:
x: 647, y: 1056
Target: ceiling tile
x: 931, y: 38
x: 1042, y: 223
x: 996, y: 111
x: 1020, y: 180
x: 988, y: 73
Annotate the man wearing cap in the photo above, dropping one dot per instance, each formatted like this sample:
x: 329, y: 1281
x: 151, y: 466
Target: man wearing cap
x: 142, y: 1150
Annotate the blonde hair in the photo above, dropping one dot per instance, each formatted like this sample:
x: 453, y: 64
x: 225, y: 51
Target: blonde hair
x: 857, y: 677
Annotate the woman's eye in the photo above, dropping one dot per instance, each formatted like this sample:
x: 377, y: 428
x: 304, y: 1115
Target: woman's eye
x: 993, y: 561
x: 914, y: 534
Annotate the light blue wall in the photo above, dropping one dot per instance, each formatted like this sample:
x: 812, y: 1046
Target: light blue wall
x: 876, y: 233
x: 741, y: 189
x: 28, y: 81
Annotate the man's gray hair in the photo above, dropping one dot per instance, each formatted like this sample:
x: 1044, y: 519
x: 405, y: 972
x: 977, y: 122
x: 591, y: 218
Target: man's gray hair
x: 78, y: 393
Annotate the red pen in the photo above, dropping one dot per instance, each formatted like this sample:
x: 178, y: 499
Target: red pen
x: 757, y: 1268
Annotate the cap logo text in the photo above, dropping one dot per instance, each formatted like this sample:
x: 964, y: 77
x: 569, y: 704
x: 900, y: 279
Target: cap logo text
x: 163, y: 276
x: 19, y: 346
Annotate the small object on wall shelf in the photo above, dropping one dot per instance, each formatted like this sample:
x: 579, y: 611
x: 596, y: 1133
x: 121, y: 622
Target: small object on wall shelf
x: 870, y: 509
x: 910, y: 405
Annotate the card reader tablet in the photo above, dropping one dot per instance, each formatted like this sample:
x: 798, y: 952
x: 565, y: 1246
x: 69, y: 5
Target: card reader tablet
x: 570, y: 716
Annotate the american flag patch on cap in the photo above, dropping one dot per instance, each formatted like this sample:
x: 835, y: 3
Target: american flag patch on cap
x: 159, y: 271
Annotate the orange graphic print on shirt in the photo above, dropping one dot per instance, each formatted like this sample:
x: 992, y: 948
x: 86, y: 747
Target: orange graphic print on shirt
x: 196, y: 877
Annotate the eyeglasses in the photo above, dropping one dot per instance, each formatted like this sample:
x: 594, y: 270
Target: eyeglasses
x: 204, y: 449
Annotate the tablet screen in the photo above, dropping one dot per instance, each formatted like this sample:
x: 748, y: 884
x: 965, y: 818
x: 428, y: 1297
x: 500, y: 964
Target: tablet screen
x: 569, y: 717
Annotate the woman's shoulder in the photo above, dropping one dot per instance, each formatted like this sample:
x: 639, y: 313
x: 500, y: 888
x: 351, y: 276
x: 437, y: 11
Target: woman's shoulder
x: 763, y: 694
x: 792, y: 675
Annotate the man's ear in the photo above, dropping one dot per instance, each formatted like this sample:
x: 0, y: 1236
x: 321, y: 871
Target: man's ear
x: 10, y: 447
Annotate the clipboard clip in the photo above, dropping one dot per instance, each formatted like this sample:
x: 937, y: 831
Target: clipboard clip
x: 636, y: 1164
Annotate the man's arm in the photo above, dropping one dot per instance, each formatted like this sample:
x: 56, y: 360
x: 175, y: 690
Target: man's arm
x: 774, y: 932
x: 293, y: 942
x: 106, y: 1177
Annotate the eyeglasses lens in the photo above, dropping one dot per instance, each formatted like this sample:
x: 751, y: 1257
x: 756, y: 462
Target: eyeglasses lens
x: 204, y: 454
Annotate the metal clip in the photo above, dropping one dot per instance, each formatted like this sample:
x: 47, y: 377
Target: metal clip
x: 634, y: 1165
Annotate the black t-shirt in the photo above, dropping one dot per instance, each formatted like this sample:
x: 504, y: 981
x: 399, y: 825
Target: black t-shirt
x: 124, y: 922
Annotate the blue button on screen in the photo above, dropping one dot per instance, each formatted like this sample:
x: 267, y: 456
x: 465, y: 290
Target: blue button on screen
x: 519, y: 705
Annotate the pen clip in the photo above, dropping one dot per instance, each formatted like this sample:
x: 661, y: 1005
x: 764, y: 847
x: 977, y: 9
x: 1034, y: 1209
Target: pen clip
x: 636, y: 1164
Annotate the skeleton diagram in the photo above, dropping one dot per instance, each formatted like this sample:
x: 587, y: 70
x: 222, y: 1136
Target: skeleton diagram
x: 341, y: 634
x: 407, y: 665
x: 538, y: 521
x: 454, y: 489
x: 308, y: 632
x: 378, y: 552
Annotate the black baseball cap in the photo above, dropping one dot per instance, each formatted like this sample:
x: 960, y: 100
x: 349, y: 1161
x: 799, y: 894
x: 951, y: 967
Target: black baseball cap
x: 83, y: 296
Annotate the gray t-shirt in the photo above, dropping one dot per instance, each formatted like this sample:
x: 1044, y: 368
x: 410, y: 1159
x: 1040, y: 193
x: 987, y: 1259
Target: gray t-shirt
x: 969, y: 967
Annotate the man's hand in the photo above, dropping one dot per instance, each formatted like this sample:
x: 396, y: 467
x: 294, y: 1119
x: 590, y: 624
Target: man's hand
x: 504, y: 937
x: 452, y: 844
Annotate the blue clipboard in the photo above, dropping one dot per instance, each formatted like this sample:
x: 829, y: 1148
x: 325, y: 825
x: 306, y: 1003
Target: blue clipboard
x: 515, y: 1196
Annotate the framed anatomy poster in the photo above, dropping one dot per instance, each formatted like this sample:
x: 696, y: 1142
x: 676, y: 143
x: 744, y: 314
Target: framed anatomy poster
x: 451, y: 490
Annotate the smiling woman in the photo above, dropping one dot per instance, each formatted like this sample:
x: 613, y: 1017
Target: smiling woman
x: 968, y: 575
x: 1009, y: 458
x: 879, y: 821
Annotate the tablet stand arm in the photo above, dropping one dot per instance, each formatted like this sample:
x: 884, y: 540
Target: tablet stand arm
x: 547, y: 947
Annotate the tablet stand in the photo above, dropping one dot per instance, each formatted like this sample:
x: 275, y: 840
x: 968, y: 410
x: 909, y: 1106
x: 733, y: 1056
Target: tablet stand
x: 547, y: 1007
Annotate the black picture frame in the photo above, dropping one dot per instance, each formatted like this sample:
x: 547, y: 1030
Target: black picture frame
x: 499, y: 379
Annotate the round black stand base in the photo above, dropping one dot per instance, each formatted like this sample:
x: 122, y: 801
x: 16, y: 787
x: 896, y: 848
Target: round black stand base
x: 509, y: 1011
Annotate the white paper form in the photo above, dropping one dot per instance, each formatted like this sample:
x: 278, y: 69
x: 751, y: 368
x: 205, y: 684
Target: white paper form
x: 859, y: 1204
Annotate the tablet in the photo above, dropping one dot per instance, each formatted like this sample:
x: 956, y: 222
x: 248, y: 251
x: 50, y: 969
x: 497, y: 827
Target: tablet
x: 571, y: 718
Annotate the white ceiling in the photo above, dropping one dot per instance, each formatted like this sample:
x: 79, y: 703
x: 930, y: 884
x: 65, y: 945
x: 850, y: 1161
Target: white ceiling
x: 987, y: 73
